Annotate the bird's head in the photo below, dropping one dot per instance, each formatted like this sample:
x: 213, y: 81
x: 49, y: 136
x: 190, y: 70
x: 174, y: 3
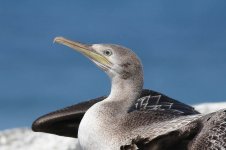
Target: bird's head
x: 117, y: 61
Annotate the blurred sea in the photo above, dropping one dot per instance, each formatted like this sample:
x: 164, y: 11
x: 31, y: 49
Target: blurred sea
x: 181, y: 44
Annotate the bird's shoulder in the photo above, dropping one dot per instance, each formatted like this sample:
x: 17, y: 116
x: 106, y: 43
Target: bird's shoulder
x: 150, y: 100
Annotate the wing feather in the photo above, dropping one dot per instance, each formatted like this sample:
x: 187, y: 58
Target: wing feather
x: 151, y: 100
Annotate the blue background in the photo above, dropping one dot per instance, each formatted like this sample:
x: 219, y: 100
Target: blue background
x: 182, y: 45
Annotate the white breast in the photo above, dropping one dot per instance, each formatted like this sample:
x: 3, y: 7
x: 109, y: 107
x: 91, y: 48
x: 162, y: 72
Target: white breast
x: 92, y: 130
x: 100, y: 130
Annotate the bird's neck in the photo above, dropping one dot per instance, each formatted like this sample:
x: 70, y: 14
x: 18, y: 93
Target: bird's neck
x: 126, y: 91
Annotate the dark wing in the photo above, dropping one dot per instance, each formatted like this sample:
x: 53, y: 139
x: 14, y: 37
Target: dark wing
x: 205, y: 133
x: 160, y: 105
x: 64, y: 122
x: 151, y: 100
x: 178, y: 139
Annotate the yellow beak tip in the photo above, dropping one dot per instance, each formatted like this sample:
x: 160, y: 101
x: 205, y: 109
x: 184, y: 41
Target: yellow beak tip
x: 57, y: 39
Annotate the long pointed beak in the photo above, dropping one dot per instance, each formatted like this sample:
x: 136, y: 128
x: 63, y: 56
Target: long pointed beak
x: 86, y: 50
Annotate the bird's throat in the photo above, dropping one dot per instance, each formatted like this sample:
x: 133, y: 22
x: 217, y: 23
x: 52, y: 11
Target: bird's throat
x: 125, y: 91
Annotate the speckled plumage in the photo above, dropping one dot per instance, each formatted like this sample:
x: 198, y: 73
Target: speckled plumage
x: 127, y: 119
x: 212, y: 132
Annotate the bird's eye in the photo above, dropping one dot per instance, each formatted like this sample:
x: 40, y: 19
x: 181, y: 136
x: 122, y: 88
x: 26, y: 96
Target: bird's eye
x: 107, y: 52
